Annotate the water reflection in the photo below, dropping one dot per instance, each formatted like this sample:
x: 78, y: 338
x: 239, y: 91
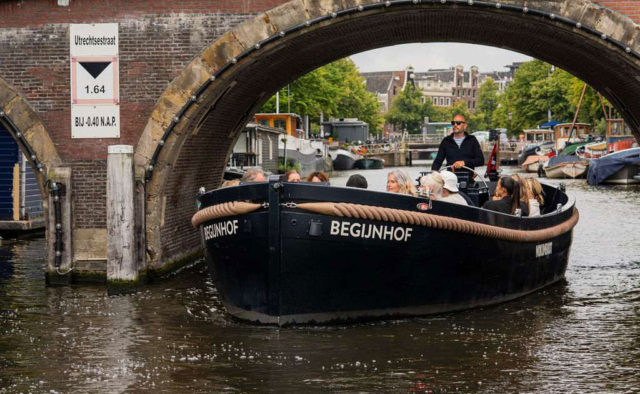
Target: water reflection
x: 577, y: 336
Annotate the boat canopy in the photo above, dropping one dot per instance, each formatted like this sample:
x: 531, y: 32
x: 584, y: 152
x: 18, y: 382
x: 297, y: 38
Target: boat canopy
x: 602, y: 168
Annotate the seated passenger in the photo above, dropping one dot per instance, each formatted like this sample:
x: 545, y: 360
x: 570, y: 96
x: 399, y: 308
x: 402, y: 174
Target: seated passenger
x: 357, y: 180
x: 536, y: 199
x: 230, y: 182
x: 524, y: 189
x: 399, y: 182
x: 292, y: 176
x: 254, y: 175
x: 317, y: 176
x: 433, y: 183
x: 507, y: 198
x: 450, y: 189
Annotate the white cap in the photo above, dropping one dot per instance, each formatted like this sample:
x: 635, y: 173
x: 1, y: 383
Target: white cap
x: 450, y: 181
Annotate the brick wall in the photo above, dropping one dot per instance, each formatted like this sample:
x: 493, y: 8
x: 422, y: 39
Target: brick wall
x: 89, y: 180
x: 157, y: 40
x: 630, y: 8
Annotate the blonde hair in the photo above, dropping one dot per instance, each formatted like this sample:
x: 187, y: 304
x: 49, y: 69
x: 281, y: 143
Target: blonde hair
x: 433, y: 181
x: 536, y: 190
x: 231, y: 182
x: 404, y: 182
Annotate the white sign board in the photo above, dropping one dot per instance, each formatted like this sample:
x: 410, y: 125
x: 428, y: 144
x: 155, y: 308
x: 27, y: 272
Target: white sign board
x: 95, y: 121
x: 95, y: 89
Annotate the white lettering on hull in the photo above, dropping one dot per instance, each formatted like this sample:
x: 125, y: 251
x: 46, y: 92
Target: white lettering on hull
x: 370, y: 231
x: 544, y: 249
x: 230, y: 227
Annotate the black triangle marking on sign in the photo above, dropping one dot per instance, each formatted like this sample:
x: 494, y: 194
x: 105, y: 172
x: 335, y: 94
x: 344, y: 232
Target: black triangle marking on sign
x: 95, y: 68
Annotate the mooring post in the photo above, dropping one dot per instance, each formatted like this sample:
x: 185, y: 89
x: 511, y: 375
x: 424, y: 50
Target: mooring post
x: 58, y: 232
x: 122, y: 264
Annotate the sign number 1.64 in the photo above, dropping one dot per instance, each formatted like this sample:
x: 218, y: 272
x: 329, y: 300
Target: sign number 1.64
x: 94, y: 89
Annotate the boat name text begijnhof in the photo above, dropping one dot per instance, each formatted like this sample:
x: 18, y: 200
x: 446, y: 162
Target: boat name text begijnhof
x: 367, y: 231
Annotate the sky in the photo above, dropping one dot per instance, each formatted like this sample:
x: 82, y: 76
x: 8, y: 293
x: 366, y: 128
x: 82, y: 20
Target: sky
x: 436, y: 55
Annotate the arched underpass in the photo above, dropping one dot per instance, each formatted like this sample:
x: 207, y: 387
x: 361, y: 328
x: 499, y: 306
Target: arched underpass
x: 189, y: 135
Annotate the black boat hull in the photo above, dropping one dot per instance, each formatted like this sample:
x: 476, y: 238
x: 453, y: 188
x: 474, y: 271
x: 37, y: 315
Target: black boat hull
x: 369, y: 164
x: 292, y: 266
x: 343, y: 162
x: 333, y: 277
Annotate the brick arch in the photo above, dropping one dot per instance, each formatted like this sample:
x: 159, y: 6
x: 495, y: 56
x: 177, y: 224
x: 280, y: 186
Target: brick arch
x: 19, y: 117
x: 189, y: 134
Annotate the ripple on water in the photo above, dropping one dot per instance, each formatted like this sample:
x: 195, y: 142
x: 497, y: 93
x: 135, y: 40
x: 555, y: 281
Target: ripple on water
x: 580, y: 335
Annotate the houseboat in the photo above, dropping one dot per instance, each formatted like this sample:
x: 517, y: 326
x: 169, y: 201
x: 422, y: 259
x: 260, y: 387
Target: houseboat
x: 619, y: 136
x: 296, y: 145
x: 300, y: 253
x: 256, y: 146
x: 564, y: 135
x: 20, y: 197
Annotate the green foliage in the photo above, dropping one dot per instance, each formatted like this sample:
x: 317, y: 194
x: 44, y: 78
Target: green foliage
x: 537, y: 89
x: 408, y: 110
x: 336, y: 90
x: 487, y: 104
x: 290, y: 165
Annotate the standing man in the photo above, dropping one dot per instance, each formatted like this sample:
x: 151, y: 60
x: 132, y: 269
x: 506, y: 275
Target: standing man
x: 459, y: 148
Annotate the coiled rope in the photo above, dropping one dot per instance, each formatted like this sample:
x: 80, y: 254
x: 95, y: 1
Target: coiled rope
x: 232, y: 208
x: 368, y: 212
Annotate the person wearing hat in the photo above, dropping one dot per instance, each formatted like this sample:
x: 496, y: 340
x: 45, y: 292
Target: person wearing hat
x: 450, y: 192
x: 459, y: 148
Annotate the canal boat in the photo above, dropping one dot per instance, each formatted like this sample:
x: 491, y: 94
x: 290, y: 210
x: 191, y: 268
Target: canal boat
x: 592, y: 150
x: 535, y: 163
x: 565, y: 166
x: 300, y: 253
x: 369, y: 163
x: 21, y: 205
x: 566, y: 134
x: 621, y: 167
x: 343, y: 159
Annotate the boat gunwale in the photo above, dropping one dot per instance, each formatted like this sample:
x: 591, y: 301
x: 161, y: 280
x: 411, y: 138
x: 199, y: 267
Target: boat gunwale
x: 308, y: 192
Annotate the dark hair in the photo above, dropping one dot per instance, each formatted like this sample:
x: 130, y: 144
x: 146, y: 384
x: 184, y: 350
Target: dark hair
x: 318, y: 174
x: 357, y: 180
x: 290, y: 172
x: 513, y: 190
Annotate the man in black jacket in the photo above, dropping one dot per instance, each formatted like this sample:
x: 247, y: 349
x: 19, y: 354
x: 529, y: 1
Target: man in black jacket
x: 459, y: 148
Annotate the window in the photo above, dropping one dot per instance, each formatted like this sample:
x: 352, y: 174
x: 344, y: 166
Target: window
x: 280, y: 123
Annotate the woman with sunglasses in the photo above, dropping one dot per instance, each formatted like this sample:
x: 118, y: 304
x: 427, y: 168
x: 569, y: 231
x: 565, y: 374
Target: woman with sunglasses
x: 459, y: 149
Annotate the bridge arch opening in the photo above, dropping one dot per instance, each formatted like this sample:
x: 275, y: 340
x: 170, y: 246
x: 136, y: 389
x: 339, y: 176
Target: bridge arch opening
x: 187, y: 140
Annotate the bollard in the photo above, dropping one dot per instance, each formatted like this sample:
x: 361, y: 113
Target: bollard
x: 122, y: 264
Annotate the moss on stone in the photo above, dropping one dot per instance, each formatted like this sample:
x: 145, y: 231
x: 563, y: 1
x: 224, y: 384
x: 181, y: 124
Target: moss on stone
x: 172, y: 267
x: 117, y: 287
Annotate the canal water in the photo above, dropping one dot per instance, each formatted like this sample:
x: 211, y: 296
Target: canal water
x: 581, y: 335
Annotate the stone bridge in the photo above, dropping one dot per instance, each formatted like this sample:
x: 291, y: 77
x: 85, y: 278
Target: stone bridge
x: 193, y: 72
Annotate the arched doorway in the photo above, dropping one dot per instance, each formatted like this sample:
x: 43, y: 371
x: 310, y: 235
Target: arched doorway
x: 188, y: 137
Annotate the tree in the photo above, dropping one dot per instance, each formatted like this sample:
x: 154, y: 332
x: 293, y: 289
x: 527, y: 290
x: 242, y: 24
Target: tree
x: 487, y: 104
x: 537, y: 89
x: 409, y: 109
x: 335, y: 90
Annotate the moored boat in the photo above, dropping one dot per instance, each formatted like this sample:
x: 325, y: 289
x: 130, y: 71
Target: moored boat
x: 343, y: 160
x: 535, y: 163
x: 617, y: 168
x: 287, y: 253
x: 369, y: 163
x: 565, y: 167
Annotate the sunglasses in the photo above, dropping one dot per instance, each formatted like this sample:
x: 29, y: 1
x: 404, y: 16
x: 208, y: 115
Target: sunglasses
x: 457, y: 122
